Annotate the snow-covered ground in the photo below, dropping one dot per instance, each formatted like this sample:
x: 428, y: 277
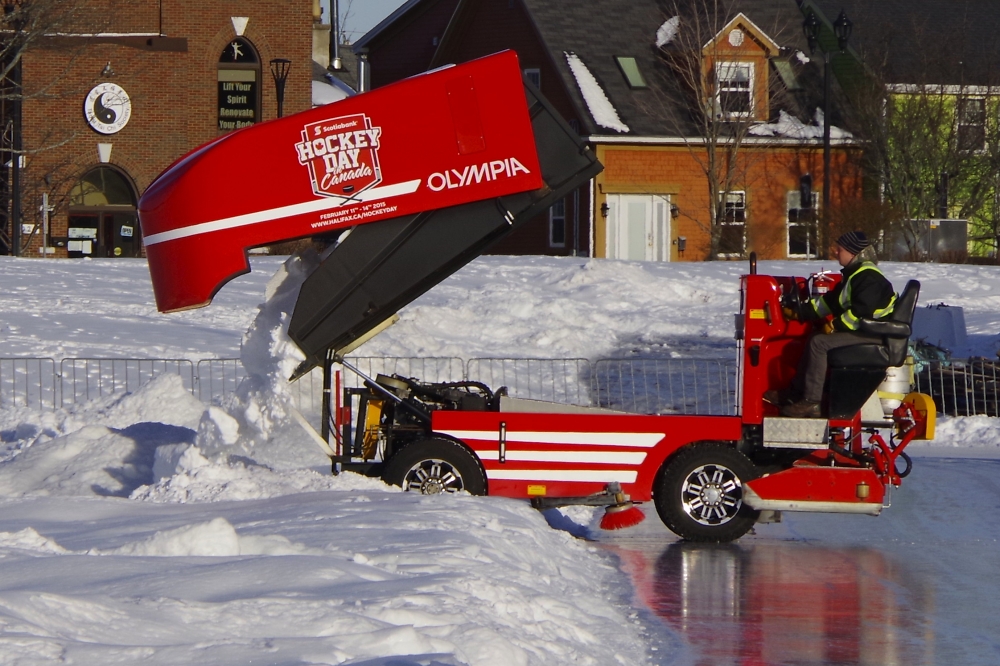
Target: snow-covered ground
x: 150, y: 527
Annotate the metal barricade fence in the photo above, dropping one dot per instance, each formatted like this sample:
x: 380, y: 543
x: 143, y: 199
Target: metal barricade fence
x: 218, y: 377
x: 28, y: 382
x: 666, y: 386
x: 430, y: 369
x: 650, y: 386
x: 565, y: 380
x: 83, y: 379
x: 962, y: 388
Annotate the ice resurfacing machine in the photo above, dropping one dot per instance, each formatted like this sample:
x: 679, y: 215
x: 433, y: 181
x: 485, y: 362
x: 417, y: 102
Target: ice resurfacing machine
x: 428, y: 173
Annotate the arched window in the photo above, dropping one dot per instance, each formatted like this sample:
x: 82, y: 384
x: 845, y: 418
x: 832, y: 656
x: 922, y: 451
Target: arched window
x: 102, y: 216
x: 239, y: 85
x: 103, y: 186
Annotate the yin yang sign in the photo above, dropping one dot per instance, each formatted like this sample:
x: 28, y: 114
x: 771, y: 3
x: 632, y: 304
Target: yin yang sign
x: 107, y: 108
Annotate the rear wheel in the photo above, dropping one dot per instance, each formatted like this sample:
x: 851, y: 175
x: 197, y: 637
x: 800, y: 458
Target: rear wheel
x: 699, y: 495
x: 434, y: 466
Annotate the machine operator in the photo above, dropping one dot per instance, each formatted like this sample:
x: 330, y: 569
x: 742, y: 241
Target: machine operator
x: 864, y: 292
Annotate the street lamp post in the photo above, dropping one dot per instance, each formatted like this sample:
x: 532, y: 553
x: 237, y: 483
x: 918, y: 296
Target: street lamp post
x: 842, y: 29
x: 279, y: 71
x: 11, y: 10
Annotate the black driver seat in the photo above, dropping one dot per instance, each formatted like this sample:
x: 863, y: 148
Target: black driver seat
x: 856, y: 371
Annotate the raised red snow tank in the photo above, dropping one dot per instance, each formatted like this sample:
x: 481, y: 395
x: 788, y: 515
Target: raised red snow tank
x: 449, y: 137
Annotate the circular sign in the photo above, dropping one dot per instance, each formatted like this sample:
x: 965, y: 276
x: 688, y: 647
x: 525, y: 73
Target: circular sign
x: 107, y: 108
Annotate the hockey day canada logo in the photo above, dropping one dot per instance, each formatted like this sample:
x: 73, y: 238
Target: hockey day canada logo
x: 341, y: 155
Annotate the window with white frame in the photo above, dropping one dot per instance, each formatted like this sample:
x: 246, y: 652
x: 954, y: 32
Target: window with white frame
x: 557, y: 224
x: 734, y: 86
x: 534, y: 75
x: 732, y: 234
x: 802, y: 225
x: 972, y: 123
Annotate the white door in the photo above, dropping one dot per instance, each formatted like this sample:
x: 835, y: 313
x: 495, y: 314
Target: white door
x: 638, y: 227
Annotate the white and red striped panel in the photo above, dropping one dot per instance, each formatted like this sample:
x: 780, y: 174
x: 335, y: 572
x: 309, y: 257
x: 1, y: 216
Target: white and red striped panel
x: 568, y: 455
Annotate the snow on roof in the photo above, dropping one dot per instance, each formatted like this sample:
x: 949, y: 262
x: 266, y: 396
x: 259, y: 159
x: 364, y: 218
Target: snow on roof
x: 789, y: 126
x: 600, y: 107
x: 327, y: 93
x: 666, y: 32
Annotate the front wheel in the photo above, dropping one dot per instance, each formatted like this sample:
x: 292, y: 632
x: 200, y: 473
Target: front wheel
x: 699, y: 495
x: 434, y: 466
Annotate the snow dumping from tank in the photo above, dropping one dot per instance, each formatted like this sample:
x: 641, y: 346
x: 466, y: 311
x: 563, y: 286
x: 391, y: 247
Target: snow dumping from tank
x: 256, y: 422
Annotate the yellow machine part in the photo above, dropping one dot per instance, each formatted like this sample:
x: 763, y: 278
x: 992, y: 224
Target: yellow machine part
x: 924, y: 404
x: 373, y: 419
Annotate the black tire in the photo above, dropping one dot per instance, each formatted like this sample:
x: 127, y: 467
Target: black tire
x: 433, y: 466
x: 699, y: 494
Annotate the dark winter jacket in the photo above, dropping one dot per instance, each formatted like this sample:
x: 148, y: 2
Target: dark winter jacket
x: 864, y: 292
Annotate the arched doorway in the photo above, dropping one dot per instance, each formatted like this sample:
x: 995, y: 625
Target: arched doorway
x: 102, y: 216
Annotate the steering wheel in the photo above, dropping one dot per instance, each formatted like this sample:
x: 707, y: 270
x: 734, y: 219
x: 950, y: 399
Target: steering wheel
x: 793, y: 298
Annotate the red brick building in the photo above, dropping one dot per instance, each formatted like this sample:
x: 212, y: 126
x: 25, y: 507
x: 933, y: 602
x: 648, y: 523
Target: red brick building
x: 118, y: 93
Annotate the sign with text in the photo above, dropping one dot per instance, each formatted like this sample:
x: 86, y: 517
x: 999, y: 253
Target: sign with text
x: 237, y: 98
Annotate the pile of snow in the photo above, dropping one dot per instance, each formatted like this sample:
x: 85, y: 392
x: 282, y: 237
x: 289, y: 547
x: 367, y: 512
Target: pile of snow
x: 788, y: 126
x: 324, y: 93
x: 668, y: 31
x: 600, y: 107
x: 256, y: 422
x: 315, y: 568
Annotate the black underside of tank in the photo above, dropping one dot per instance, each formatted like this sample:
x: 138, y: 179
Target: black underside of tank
x: 381, y: 267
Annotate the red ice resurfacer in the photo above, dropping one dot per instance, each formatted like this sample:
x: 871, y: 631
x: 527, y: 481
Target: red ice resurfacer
x: 428, y: 173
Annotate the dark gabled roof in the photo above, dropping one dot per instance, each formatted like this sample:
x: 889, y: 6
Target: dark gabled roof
x: 348, y: 72
x: 953, y: 42
x: 386, y: 22
x: 629, y: 29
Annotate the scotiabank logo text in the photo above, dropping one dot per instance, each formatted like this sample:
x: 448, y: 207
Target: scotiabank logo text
x: 341, y: 155
x: 485, y: 172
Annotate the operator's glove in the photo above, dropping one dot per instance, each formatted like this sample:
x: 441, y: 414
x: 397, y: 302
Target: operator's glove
x: 790, y: 314
x: 827, y: 326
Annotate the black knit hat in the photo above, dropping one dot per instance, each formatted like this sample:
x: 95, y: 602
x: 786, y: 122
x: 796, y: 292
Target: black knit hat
x: 854, y: 241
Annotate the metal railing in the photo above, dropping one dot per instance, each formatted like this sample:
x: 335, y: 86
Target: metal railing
x: 28, y: 382
x: 565, y: 380
x: 430, y: 369
x: 84, y: 379
x: 218, y: 377
x: 644, y: 386
x: 962, y: 388
x: 666, y: 386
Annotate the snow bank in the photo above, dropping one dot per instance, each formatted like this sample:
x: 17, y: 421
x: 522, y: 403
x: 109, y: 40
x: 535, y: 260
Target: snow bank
x: 104, y: 447
x: 962, y: 436
x: 325, y: 578
x: 329, y: 569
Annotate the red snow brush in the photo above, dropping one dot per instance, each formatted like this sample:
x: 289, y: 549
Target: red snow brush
x: 622, y: 513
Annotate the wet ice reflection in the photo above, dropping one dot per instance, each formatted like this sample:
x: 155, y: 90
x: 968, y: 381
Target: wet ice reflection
x: 785, y: 603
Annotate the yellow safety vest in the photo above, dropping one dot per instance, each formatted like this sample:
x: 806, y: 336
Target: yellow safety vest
x: 847, y: 317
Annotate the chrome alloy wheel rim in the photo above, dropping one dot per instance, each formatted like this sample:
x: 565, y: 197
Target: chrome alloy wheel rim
x: 712, y: 495
x: 432, y: 477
